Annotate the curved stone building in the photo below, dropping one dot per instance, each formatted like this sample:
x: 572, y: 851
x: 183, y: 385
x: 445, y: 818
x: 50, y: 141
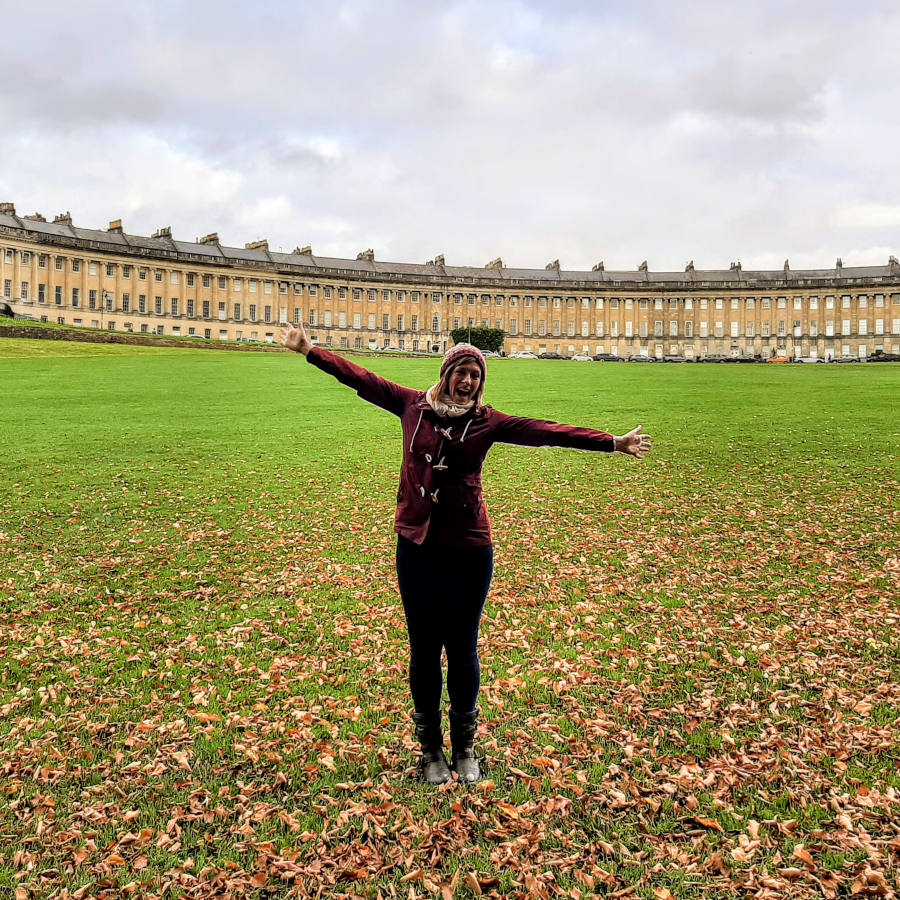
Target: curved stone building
x: 58, y: 272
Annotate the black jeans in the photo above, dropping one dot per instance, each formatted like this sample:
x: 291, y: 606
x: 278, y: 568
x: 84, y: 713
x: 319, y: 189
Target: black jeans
x: 443, y: 591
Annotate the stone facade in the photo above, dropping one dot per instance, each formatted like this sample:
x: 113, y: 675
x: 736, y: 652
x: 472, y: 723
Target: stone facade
x: 58, y: 272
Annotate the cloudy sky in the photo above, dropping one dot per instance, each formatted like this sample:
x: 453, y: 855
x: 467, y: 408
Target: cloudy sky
x: 583, y: 131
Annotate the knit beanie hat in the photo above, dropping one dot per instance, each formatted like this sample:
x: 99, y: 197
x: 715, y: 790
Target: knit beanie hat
x: 457, y: 352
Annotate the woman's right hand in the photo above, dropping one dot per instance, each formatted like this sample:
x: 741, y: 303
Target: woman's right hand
x: 294, y: 338
x: 634, y: 443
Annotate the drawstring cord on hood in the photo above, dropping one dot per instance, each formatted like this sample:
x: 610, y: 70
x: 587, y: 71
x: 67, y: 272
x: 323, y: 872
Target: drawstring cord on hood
x: 421, y: 413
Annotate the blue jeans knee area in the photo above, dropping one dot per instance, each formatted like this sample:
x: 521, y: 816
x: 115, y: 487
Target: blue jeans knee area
x: 443, y: 591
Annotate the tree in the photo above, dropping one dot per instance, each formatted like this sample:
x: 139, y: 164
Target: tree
x: 483, y: 338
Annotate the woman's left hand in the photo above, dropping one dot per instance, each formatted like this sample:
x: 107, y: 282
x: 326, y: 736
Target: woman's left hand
x: 634, y: 443
x: 294, y: 338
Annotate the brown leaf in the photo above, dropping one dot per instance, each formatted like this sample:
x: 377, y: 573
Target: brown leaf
x: 871, y: 882
x: 712, y: 824
x: 792, y: 874
x: 801, y: 853
x: 414, y: 875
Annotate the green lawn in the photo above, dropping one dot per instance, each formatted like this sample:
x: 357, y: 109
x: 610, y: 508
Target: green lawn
x: 690, y: 663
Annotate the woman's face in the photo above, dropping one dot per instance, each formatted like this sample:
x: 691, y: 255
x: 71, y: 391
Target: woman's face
x: 465, y: 379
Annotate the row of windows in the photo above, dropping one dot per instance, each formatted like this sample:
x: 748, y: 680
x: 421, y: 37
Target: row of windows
x: 173, y: 307
x: 860, y: 350
x: 175, y: 330
x: 159, y: 307
x: 236, y: 284
x: 691, y: 350
x: 143, y: 274
x: 328, y: 320
x: 673, y: 327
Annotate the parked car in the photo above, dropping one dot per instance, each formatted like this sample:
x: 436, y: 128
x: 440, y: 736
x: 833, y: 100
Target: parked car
x: 778, y: 359
x: 883, y: 357
x: 845, y: 359
x: 524, y: 354
x: 641, y: 357
x: 674, y: 357
x: 608, y: 357
x: 809, y: 359
x: 392, y: 350
x: 714, y: 358
x: 743, y: 359
x: 582, y: 357
x: 550, y: 354
x: 489, y: 353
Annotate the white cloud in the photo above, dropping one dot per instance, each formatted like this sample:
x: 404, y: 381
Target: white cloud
x: 868, y: 215
x: 576, y: 130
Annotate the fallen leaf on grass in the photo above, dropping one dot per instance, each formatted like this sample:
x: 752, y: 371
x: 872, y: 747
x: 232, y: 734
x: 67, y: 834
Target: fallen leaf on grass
x: 711, y: 824
x: 801, y: 853
x: 472, y: 884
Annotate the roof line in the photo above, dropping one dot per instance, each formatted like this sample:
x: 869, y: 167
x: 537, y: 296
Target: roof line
x: 553, y: 277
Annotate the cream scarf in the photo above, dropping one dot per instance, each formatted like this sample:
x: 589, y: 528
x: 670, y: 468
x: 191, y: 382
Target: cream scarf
x: 446, y: 409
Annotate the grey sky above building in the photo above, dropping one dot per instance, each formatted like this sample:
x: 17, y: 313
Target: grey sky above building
x: 582, y: 131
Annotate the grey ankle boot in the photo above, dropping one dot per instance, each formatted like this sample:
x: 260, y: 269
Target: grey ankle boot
x: 462, y: 736
x: 433, y: 762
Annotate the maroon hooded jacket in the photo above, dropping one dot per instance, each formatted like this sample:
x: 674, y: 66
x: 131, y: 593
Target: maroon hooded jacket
x: 440, y: 496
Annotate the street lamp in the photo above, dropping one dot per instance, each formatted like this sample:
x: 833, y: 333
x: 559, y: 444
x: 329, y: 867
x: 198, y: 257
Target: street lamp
x: 104, y: 296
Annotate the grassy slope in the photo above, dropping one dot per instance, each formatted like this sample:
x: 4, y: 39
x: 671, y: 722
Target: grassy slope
x: 203, y: 653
